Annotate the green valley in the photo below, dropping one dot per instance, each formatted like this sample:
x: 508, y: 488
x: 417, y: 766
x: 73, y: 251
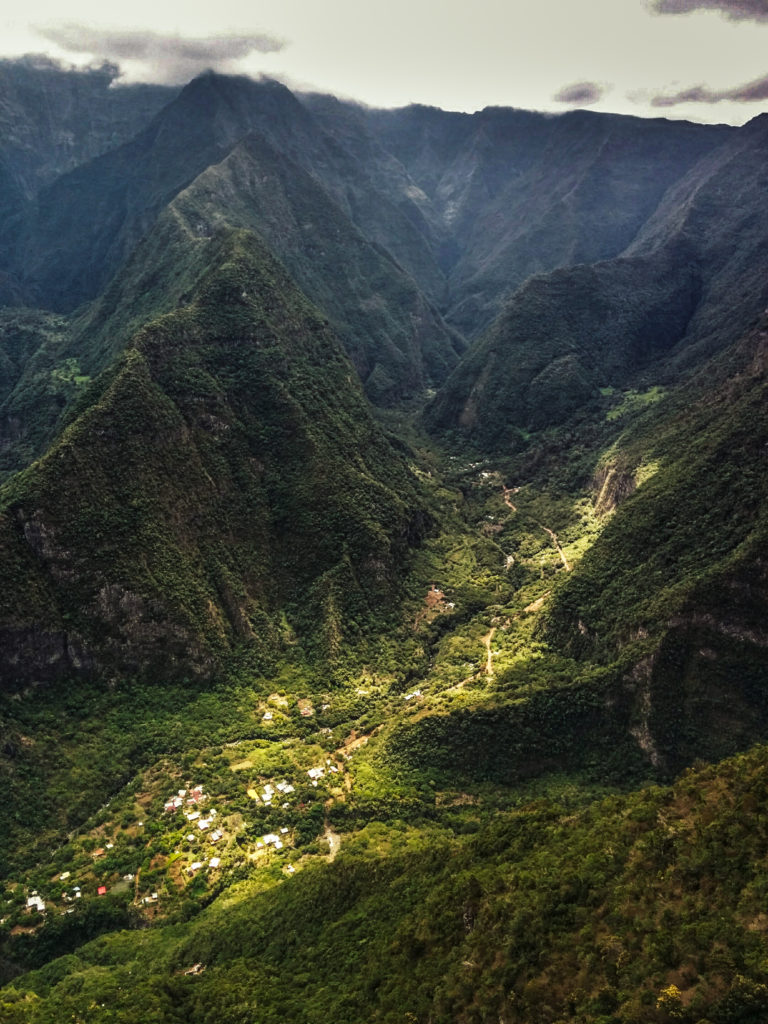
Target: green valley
x: 382, y: 630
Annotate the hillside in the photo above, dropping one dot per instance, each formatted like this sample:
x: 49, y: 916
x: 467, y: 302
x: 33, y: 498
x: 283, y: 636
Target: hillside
x: 691, y: 283
x: 227, y: 469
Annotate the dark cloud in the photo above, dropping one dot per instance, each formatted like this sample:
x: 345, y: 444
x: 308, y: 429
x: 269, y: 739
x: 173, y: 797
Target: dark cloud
x: 169, y: 58
x: 580, y: 93
x: 749, y: 93
x: 735, y: 10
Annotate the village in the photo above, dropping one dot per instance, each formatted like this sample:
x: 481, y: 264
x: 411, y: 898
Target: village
x: 192, y: 836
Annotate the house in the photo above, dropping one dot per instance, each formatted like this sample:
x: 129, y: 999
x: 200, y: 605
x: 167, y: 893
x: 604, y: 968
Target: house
x: 98, y: 853
x: 192, y: 815
x: 268, y: 716
x: 316, y: 773
x: 36, y: 903
x: 194, y: 866
x: 216, y: 836
x: 270, y: 838
x: 191, y: 837
x: 64, y: 876
x: 102, y: 890
x: 291, y: 870
x: 203, y: 824
x: 214, y: 862
x: 283, y: 831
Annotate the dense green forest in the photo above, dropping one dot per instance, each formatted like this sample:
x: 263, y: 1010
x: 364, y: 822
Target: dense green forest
x: 382, y: 630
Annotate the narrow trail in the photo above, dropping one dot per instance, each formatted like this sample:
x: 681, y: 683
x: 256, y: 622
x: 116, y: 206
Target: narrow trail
x: 553, y: 536
x: 507, y: 492
x: 489, y: 658
x: 556, y: 542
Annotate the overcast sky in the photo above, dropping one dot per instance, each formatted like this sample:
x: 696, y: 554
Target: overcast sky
x: 701, y: 59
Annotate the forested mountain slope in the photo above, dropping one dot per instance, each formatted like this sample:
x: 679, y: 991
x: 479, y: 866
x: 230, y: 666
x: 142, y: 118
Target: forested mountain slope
x: 691, y: 284
x: 224, y: 468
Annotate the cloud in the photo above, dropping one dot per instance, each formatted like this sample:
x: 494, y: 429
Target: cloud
x: 580, y: 94
x: 734, y: 10
x: 751, y: 92
x: 163, y: 57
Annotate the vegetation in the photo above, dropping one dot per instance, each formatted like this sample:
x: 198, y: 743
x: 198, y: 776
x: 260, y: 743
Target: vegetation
x: 307, y: 714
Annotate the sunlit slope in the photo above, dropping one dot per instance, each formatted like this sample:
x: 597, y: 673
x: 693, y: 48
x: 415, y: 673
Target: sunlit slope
x: 637, y: 908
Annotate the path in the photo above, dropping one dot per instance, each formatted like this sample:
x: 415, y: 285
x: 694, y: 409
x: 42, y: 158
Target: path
x: 556, y: 542
x: 553, y: 536
x: 507, y: 492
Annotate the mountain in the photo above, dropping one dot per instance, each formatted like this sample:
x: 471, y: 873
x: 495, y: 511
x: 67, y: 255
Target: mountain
x: 689, y: 285
x: 522, y: 193
x: 87, y: 222
x: 222, y: 471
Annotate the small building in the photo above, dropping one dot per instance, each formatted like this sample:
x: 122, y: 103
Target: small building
x: 102, y: 890
x: 35, y: 902
x: 214, y: 862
